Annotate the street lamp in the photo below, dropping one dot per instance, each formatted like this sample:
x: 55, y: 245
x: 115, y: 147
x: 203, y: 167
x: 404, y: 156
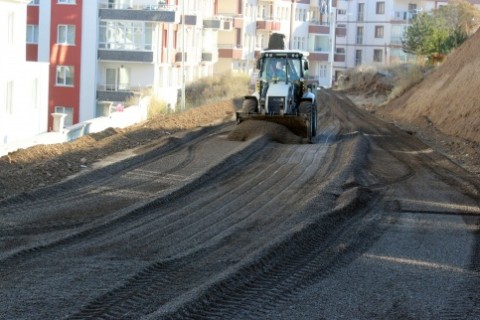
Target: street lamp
x: 292, y: 19
x: 183, y: 55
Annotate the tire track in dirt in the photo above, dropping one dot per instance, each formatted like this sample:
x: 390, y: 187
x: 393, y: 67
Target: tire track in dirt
x: 41, y: 250
x: 110, y: 215
x: 213, y: 256
x: 252, y: 233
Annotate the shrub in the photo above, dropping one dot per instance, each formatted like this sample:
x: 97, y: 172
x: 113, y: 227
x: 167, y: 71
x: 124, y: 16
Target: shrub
x: 214, y: 89
x: 156, y: 107
x: 406, y: 76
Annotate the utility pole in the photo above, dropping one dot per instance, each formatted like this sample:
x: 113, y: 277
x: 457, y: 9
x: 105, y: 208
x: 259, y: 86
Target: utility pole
x: 332, y: 20
x: 292, y: 19
x: 183, y: 55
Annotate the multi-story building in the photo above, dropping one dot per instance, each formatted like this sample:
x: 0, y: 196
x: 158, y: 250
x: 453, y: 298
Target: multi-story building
x: 108, y: 51
x: 307, y: 24
x: 105, y: 52
x: 23, y: 85
x: 374, y: 30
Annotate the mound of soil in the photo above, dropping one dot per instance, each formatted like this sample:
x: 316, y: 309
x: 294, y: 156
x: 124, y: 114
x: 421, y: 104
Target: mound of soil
x: 253, y: 128
x: 447, y: 98
x: 41, y: 165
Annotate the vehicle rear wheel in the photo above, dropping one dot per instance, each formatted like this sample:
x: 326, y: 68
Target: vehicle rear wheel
x: 249, y: 106
x: 314, y: 120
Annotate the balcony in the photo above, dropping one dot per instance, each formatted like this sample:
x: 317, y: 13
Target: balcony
x: 111, y: 92
x: 403, y: 16
x: 268, y: 25
x: 318, y: 56
x: 212, y: 23
x: 125, y: 55
x: 230, y: 52
x: 149, y: 11
x: 339, y: 57
x: 341, y: 31
x: 318, y: 29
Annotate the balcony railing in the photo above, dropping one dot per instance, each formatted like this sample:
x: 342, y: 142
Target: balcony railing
x: 318, y: 29
x: 403, y: 15
x: 230, y: 51
x: 119, y: 87
x: 268, y: 25
x: 146, y: 5
x: 117, y: 92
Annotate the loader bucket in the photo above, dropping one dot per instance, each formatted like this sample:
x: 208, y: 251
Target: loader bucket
x: 297, y: 124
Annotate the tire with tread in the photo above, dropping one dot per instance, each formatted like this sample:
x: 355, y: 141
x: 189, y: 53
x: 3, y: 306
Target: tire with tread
x: 306, y: 107
x: 249, y: 105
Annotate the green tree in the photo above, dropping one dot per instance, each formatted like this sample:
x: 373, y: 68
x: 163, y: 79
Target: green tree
x: 440, y: 31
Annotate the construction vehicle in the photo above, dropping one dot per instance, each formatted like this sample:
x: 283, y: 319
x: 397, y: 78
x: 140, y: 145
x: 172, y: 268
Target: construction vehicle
x: 282, y: 94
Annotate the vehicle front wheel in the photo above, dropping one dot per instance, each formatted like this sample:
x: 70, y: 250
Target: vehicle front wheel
x: 308, y: 109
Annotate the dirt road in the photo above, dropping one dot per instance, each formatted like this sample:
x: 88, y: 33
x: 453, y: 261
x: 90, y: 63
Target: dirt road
x: 366, y: 223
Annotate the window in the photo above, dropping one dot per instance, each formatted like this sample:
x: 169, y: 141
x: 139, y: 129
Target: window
x: 68, y: 111
x: 412, y: 10
x: 380, y: 8
x: 358, y: 57
x: 34, y: 3
x: 64, y: 76
x: 9, y: 98
x: 117, y: 78
x: 359, y: 39
x: 32, y: 33
x: 377, y: 55
x: 361, y: 11
x: 10, y: 28
x: 323, y: 72
x: 126, y: 35
x: 378, y: 31
x: 66, y: 34
x: 342, y: 11
x: 340, y: 50
x: 66, y: 1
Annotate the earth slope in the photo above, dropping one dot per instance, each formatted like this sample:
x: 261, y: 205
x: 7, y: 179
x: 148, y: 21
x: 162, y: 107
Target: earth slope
x: 449, y: 97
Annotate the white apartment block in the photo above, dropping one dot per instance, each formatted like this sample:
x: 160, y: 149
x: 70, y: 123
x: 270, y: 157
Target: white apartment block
x: 374, y: 30
x: 23, y: 85
x: 104, y: 52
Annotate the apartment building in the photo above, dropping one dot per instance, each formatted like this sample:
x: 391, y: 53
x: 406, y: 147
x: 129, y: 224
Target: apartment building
x: 23, y: 85
x: 308, y: 25
x: 374, y: 30
x: 106, y: 52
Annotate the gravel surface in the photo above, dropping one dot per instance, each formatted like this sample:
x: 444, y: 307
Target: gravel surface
x: 239, y: 222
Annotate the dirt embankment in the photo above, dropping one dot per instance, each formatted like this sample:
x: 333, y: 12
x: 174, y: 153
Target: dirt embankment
x: 448, y: 98
x: 443, y: 110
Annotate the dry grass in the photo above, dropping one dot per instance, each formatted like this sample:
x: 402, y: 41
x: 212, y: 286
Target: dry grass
x: 203, y: 92
x: 215, y: 89
x: 406, y: 76
x: 390, y: 81
x: 156, y: 107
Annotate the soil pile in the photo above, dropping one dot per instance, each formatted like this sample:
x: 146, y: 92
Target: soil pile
x: 42, y: 165
x: 448, y: 98
x: 253, y: 128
